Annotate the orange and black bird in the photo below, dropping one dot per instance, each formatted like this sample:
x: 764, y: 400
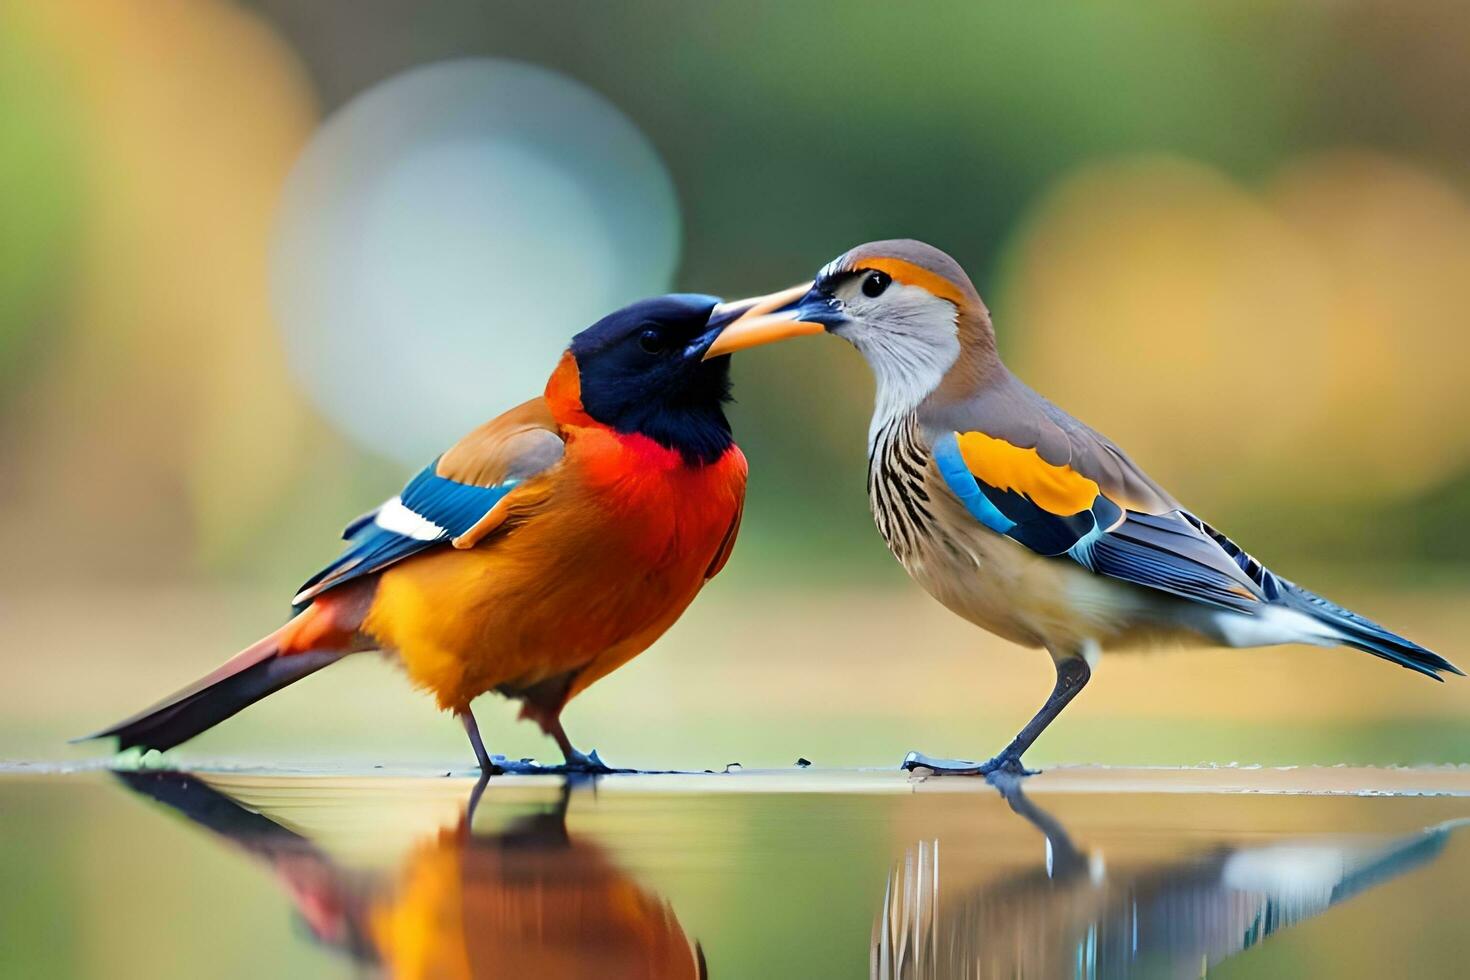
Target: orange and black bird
x: 544, y: 550
x: 1020, y: 518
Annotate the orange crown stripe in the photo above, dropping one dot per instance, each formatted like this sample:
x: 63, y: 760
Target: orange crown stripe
x: 913, y: 275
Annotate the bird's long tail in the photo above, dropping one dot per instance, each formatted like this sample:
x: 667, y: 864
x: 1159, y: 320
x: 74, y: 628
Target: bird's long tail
x: 1362, y: 633
x: 313, y: 639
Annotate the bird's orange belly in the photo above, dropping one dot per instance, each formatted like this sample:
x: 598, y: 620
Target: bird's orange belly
x: 542, y: 601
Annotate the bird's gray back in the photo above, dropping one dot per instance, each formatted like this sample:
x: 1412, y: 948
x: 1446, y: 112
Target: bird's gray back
x: 1004, y: 407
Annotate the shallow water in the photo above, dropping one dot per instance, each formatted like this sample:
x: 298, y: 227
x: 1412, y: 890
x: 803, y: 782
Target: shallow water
x: 794, y: 874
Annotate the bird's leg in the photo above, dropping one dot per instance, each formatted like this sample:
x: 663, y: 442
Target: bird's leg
x: 467, y: 718
x: 1072, y: 675
x: 542, y: 703
x: 576, y: 761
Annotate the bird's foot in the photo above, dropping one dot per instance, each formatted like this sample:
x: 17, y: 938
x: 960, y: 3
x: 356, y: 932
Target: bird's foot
x: 590, y: 764
x: 577, y: 764
x: 1007, y: 764
x: 502, y: 766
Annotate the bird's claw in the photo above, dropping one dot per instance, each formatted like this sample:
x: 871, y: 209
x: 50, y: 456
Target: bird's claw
x: 949, y: 767
x: 590, y: 764
x: 577, y: 764
x: 1008, y: 764
x: 502, y: 766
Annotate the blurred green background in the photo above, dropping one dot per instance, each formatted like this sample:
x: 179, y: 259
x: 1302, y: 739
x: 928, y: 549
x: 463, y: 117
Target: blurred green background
x: 1234, y: 237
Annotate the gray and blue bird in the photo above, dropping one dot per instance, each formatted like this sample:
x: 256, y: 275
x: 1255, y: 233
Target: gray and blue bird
x: 1017, y: 516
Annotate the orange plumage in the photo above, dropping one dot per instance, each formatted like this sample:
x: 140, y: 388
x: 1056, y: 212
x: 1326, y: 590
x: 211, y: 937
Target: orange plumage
x: 594, y: 560
x: 545, y: 549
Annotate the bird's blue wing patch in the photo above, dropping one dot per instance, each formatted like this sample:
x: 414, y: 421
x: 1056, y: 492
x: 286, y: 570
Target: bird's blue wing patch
x: 962, y: 484
x: 359, y: 523
x: 448, y: 505
x: 430, y: 511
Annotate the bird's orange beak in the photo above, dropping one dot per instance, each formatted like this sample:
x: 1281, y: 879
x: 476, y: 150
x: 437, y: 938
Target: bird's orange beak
x: 760, y: 320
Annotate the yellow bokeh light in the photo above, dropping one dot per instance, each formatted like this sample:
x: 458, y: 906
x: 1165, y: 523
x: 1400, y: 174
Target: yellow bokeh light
x: 172, y: 384
x: 1301, y: 341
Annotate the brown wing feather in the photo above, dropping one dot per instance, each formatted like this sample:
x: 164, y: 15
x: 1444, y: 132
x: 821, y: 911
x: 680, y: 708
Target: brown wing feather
x: 524, y: 440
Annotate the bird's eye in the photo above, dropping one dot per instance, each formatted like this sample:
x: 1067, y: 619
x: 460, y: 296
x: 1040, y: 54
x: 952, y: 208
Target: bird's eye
x: 652, y: 341
x: 875, y: 282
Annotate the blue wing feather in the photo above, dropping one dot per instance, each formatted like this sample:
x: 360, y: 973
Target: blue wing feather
x: 444, y: 509
x: 358, y: 523
x: 449, y: 504
x: 962, y: 484
x: 1137, y: 553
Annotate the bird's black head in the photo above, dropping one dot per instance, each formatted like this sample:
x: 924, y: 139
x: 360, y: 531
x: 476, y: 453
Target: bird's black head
x: 642, y: 369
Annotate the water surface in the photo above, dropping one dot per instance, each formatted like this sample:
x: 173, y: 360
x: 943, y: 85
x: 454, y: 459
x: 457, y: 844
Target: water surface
x: 799, y: 874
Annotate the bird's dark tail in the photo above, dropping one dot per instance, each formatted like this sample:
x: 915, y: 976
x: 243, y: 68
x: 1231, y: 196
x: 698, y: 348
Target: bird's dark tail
x: 259, y: 670
x: 1362, y: 633
x: 1348, y: 627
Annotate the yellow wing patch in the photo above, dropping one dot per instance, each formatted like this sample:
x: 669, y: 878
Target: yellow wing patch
x: 1058, y: 490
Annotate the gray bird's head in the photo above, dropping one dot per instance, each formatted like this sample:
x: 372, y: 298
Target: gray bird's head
x: 906, y: 306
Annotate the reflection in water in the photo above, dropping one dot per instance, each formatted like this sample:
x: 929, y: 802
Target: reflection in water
x: 1075, y: 917
x: 529, y: 901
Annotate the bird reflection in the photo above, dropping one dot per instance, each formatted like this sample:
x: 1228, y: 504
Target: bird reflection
x: 1074, y: 917
x: 530, y: 901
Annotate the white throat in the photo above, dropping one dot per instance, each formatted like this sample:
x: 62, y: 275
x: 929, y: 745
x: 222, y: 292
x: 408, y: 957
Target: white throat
x: 903, y: 381
x: 909, y: 349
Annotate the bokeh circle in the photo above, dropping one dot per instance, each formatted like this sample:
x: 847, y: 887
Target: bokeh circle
x: 446, y: 232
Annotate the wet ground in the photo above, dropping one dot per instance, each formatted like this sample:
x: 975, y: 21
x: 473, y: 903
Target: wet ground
x: 801, y: 873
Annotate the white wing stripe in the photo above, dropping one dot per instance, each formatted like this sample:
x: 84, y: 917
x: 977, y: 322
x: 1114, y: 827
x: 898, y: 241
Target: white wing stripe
x: 398, y: 519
